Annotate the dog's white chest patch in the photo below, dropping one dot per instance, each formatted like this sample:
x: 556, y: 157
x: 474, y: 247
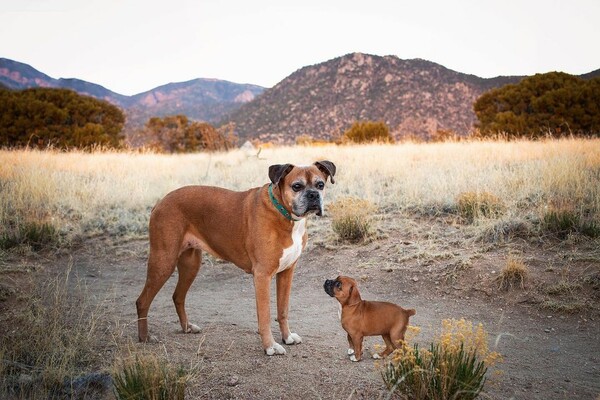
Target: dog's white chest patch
x: 291, y: 254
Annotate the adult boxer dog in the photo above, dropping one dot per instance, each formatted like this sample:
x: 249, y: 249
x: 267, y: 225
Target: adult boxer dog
x: 261, y: 230
x: 362, y: 318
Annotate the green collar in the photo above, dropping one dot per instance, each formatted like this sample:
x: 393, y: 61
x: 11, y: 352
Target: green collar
x: 279, y: 206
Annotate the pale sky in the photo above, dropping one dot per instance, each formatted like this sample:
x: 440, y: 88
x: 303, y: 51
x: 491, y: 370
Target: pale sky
x: 130, y: 46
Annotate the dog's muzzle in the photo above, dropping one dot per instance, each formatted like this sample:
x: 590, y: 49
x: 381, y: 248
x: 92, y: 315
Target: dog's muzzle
x: 328, y: 286
x: 313, y: 201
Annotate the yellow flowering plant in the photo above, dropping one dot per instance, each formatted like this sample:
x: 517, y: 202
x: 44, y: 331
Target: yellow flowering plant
x: 454, y: 366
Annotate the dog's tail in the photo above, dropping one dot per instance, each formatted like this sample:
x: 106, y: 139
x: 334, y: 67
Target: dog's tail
x: 411, y: 312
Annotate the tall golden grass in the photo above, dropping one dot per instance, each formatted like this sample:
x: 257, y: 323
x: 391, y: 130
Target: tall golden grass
x: 84, y: 194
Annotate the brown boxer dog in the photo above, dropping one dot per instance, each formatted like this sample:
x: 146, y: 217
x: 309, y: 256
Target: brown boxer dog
x: 367, y: 318
x: 261, y: 230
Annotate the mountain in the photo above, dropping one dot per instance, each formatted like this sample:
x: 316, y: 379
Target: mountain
x: 16, y: 75
x: 413, y: 97
x: 200, y: 99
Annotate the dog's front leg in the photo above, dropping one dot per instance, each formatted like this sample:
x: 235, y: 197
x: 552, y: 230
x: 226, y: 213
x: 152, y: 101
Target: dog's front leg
x: 284, y: 287
x: 262, y: 287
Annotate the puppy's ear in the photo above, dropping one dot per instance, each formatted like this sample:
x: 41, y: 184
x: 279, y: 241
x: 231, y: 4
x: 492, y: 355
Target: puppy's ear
x: 278, y: 171
x: 328, y: 168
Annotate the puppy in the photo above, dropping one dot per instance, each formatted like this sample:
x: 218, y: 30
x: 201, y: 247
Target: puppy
x: 362, y: 318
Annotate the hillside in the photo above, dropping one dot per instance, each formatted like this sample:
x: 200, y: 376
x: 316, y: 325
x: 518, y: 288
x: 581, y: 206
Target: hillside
x: 413, y: 97
x: 200, y: 99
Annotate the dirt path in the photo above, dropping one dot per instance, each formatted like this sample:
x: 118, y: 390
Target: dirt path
x: 546, y: 355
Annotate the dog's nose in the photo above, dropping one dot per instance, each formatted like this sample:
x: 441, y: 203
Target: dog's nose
x: 312, y: 195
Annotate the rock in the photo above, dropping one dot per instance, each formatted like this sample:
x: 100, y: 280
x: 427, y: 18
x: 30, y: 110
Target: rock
x: 234, y: 380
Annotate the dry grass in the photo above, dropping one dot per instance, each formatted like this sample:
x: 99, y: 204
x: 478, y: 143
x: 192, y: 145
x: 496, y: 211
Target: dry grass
x: 513, y: 274
x: 52, y: 339
x: 72, y: 196
x: 352, y: 219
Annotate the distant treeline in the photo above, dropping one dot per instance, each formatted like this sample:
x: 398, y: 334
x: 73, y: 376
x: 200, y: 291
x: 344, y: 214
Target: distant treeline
x: 555, y: 104
x: 61, y: 118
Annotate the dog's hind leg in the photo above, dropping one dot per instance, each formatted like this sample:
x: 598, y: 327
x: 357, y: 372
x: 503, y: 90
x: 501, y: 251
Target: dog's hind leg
x: 160, y: 268
x: 187, y: 267
x: 389, y: 347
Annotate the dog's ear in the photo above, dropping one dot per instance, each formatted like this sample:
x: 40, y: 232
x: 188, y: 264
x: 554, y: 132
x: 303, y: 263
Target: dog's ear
x: 328, y: 168
x: 278, y: 171
x: 353, y: 294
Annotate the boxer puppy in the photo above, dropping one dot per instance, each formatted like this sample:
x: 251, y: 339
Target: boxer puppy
x: 362, y: 318
x: 261, y: 230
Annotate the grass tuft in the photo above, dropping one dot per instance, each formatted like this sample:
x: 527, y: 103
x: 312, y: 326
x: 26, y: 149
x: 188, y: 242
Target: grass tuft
x: 513, y: 274
x: 149, y: 377
x: 475, y: 205
x: 352, y: 219
x: 37, y: 235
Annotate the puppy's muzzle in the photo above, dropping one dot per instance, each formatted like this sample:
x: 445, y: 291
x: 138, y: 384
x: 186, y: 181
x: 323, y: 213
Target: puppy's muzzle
x: 328, y: 286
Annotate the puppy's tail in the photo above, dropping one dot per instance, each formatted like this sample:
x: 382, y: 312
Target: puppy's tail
x: 411, y: 312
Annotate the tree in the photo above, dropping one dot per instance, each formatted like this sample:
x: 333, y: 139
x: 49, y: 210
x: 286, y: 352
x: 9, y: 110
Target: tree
x: 177, y: 134
x: 57, y: 117
x: 554, y: 103
x: 369, y: 131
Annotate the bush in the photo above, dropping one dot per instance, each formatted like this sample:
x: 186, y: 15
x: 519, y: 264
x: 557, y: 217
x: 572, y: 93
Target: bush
x: 351, y: 219
x: 368, y: 132
x: 38, y: 235
x: 453, y: 368
x: 563, y: 221
x: 148, y: 377
x: 474, y: 205
x: 177, y: 134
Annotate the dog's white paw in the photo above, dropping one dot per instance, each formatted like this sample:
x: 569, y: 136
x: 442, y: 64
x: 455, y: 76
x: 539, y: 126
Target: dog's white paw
x: 376, y: 356
x: 275, y: 348
x: 191, y: 328
x: 293, y: 338
x: 350, y: 352
x: 353, y: 358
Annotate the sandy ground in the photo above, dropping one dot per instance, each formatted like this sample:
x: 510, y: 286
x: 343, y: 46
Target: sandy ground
x: 547, y: 355
x: 425, y: 264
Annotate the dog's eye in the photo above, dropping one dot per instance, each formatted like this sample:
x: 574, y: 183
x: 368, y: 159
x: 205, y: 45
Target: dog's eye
x: 320, y: 185
x: 338, y: 284
x: 296, y: 187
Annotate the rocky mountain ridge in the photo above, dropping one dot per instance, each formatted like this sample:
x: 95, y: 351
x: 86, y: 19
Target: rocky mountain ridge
x: 413, y: 97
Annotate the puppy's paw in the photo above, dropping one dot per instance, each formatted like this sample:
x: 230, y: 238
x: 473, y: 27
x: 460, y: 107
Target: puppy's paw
x: 353, y: 358
x: 293, y: 338
x: 350, y: 352
x: 191, y: 328
x: 274, y: 349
